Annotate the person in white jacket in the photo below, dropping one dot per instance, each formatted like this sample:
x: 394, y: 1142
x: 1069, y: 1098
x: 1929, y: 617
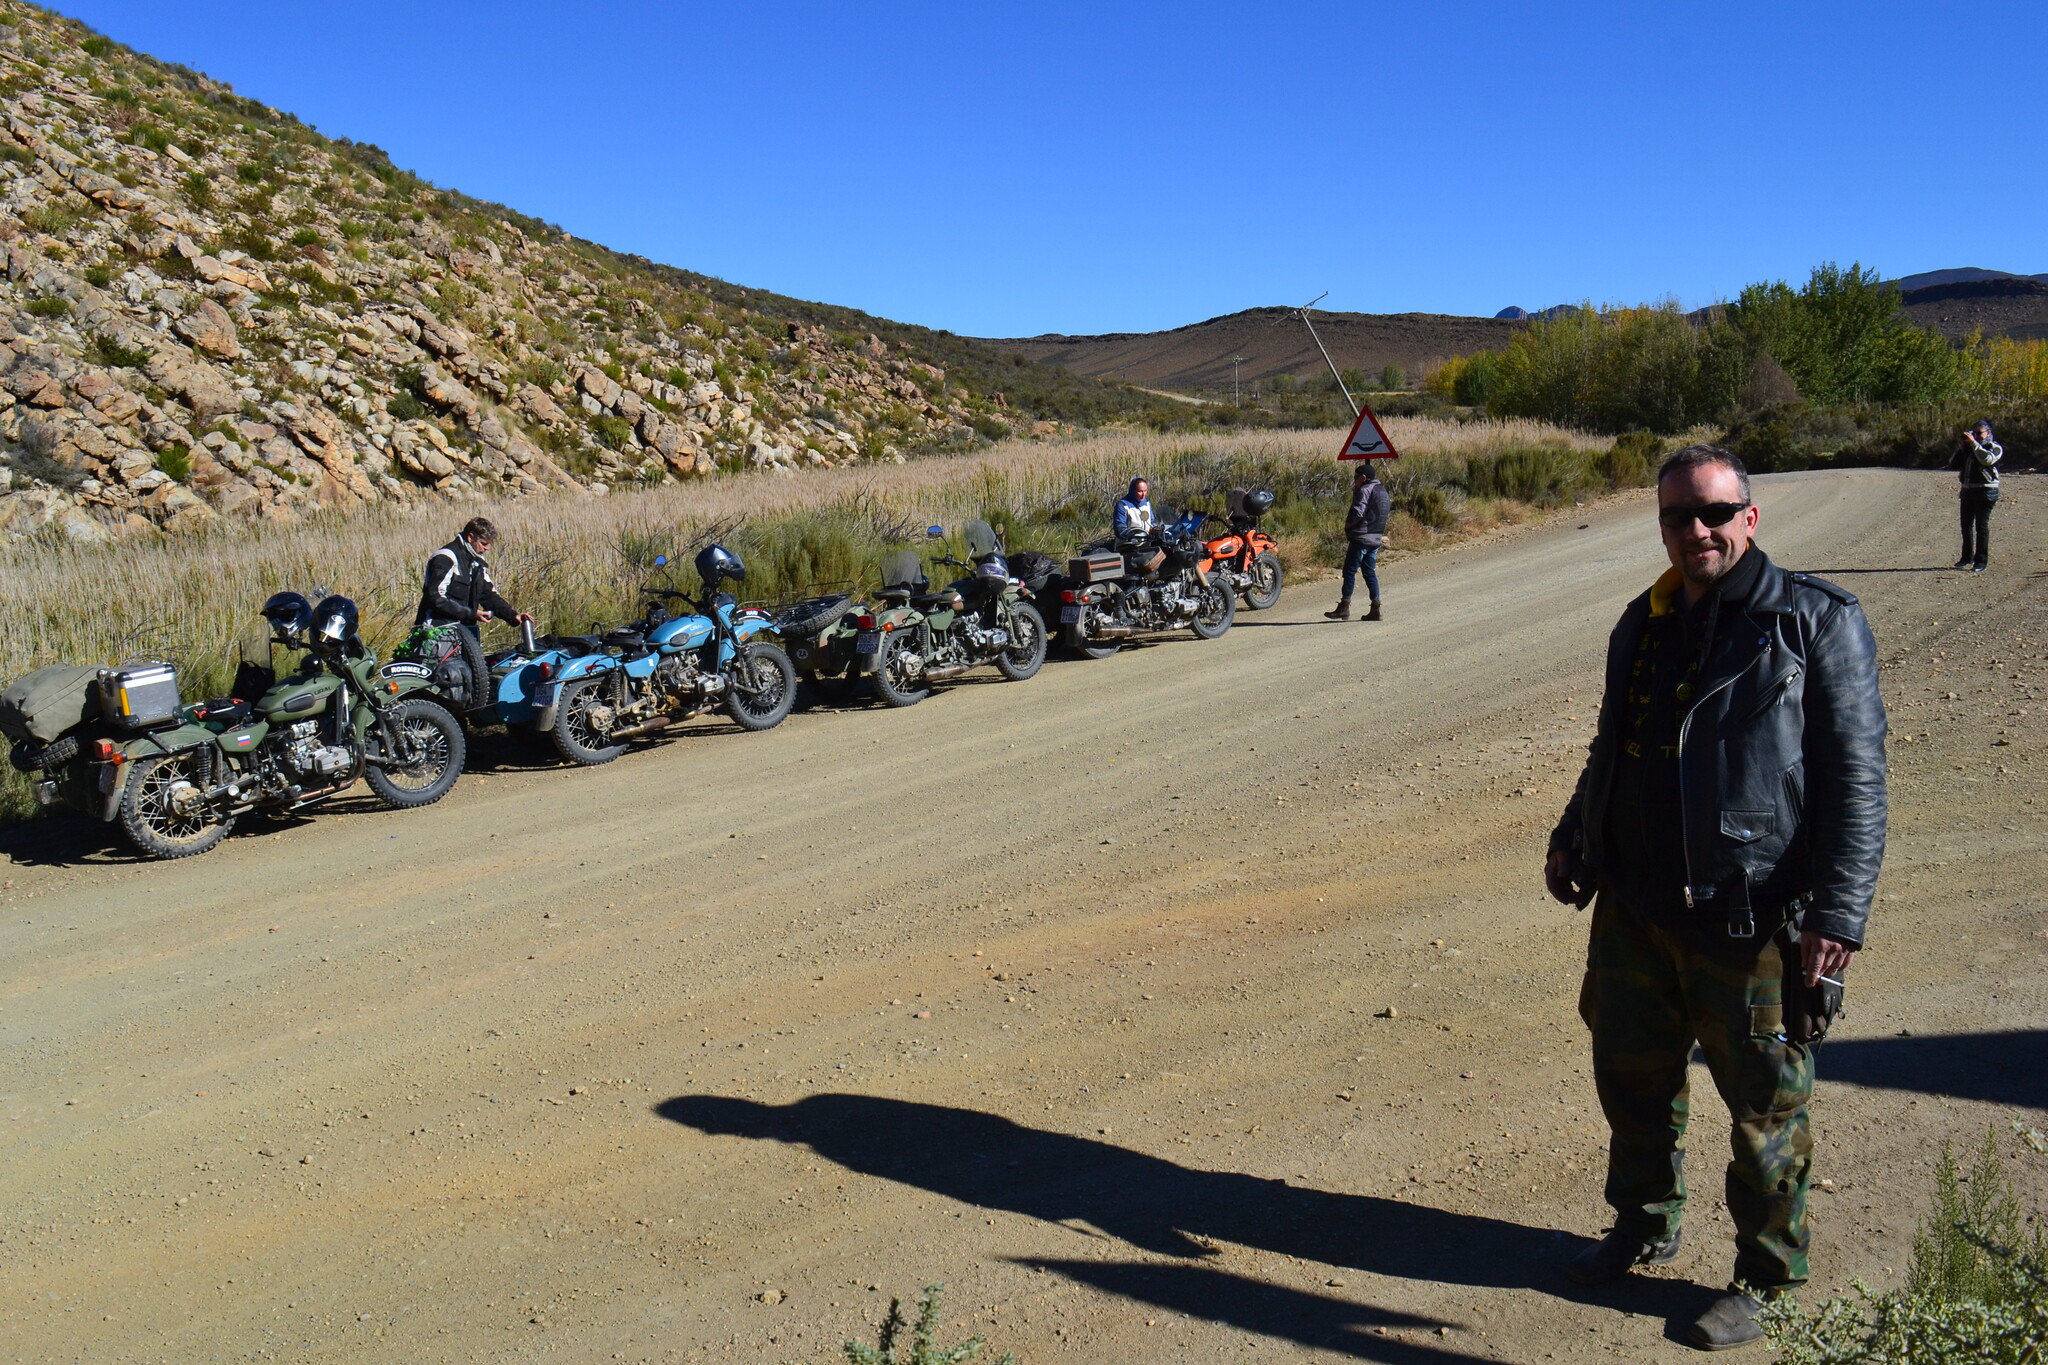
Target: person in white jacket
x: 1977, y: 462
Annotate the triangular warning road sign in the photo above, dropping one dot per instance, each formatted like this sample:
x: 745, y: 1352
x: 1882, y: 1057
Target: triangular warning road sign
x: 1367, y: 441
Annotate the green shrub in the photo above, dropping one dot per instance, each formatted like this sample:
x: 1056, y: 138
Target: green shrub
x: 49, y: 219
x: 98, y: 276
x: 305, y: 236
x: 1429, y: 504
x: 1542, y: 475
x: 613, y: 431
x: 52, y: 307
x: 251, y: 173
x: 175, y: 461
x: 1976, y: 1291
x: 150, y: 136
x: 1393, y: 377
x: 114, y: 355
x: 97, y: 46
x: 199, y: 188
x: 1632, y: 460
x: 923, y: 1347
x: 14, y: 151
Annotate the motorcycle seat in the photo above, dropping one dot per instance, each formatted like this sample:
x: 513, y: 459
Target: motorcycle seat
x: 928, y: 601
x: 227, y: 712
x: 573, y: 644
x: 626, y: 639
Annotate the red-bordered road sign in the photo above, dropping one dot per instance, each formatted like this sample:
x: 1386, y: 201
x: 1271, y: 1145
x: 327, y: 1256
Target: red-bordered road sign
x: 1368, y: 439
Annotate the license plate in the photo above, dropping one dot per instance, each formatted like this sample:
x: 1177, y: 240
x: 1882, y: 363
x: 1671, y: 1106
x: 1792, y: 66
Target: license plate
x: 1070, y: 614
x: 544, y: 695
x: 867, y: 642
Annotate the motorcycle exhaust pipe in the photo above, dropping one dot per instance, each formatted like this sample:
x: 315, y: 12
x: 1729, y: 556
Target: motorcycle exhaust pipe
x: 942, y: 672
x: 1114, y: 632
x: 658, y: 723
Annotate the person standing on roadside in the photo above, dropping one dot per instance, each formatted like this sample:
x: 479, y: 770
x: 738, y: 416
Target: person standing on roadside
x: 1365, y: 530
x: 1728, y: 827
x: 1977, y: 461
x: 458, y: 591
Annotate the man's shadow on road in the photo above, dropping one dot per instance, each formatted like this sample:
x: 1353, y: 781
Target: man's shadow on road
x: 1168, y: 1209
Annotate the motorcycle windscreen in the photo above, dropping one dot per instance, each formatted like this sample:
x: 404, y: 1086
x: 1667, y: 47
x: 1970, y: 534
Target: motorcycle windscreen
x: 904, y: 569
x: 982, y: 540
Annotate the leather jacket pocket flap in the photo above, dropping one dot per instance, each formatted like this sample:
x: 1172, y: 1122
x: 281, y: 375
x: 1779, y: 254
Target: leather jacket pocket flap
x: 1744, y: 825
x: 1766, y: 1021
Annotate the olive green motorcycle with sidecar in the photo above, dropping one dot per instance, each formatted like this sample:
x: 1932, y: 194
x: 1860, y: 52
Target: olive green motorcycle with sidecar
x: 121, y: 745
x: 923, y: 637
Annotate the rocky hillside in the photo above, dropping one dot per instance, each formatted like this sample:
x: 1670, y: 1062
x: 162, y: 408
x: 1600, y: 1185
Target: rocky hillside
x: 212, y: 311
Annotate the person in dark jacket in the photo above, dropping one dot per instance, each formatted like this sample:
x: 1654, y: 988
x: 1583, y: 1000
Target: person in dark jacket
x: 1730, y: 821
x: 1977, y: 462
x: 1365, y: 530
x: 458, y: 591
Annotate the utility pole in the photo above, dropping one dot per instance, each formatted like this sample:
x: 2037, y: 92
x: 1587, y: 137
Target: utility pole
x: 1303, y: 311
x: 1235, y: 361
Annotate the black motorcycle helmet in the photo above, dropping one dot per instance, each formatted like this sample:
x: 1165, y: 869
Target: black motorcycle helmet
x: 289, y: 613
x: 335, y: 620
x: 1258, y: 502
x: 715, y: 562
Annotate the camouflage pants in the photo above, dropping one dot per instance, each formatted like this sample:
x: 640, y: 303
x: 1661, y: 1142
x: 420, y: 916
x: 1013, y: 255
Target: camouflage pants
x: 1648, y: 997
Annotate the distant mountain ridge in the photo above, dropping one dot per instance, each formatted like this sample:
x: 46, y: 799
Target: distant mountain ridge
x: 1965, y: 274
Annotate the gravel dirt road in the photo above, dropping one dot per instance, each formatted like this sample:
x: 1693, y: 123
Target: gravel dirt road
x: 1065, y: 993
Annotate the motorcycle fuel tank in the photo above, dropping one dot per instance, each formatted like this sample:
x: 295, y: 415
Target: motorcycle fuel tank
x: 297, y: 699
x: 684, y: 632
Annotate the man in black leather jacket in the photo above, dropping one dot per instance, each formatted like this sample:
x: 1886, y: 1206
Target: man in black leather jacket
x: 458, y: 591
x: 1731, y: 818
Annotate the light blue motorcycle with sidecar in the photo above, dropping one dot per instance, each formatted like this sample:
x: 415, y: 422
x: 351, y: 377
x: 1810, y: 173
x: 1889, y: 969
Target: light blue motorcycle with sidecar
x: 665, y: 669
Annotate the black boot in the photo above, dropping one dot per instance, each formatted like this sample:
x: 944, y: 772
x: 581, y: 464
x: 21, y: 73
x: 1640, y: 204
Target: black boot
x: 1374, y: 614
x: 1729, y: 1323
x: 1614, y: 1255
x: 1342, y: 613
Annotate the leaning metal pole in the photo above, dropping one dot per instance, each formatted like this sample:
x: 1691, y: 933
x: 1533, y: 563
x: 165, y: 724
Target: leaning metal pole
x: 1303, y: 311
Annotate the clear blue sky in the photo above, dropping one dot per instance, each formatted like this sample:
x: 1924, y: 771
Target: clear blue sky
x: 1006, y: 169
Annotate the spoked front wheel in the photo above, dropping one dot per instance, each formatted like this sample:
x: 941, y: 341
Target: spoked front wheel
x: 427, y: 758
x: 1026, y: 651
x: 1267, y: 580
x: 763, y: 687
x: 164, y: 813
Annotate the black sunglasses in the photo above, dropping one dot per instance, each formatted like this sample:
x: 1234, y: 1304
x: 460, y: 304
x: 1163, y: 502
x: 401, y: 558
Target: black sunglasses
x: 1706, y: 513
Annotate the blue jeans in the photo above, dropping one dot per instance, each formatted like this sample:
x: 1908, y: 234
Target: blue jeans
x: 1367, y: 558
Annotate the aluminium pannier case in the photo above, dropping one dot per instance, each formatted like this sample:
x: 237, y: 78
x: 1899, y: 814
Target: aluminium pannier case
x: 1097, y: 566
x: 140, y: 696
x: 44, y: 704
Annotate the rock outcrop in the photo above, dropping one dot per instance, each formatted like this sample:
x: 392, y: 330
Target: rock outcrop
x: 211, y: 312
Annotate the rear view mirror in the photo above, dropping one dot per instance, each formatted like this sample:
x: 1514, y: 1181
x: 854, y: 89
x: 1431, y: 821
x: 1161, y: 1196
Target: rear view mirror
x: 935, y: 532
x: 660, y: 561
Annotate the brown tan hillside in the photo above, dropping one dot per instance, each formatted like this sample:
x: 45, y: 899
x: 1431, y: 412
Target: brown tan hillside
x: 1272, y: 342
x: 212, y: 311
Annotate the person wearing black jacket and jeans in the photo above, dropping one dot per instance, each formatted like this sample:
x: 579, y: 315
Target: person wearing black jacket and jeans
x: 1730, y: 821
x: 458, y: 591
x: 1365, y: 530
x: 1977, y: 461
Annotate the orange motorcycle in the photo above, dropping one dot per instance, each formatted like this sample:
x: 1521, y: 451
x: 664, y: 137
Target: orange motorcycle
x: 1247, y: 557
